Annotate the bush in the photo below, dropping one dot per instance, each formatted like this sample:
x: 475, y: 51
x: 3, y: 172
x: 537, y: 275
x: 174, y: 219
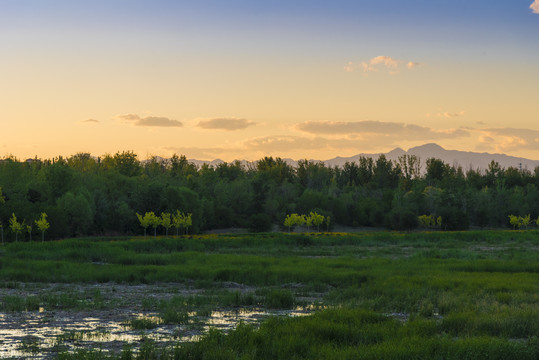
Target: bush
x: 454, y: 219
x: 260, y: 223
x: 402, y: 219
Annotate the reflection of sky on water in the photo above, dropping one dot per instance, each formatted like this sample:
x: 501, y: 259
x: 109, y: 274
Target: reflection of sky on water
x: 47, y: 330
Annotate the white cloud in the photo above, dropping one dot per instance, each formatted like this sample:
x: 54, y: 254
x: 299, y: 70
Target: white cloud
x: 535, y: 7
x: 387, y: 63
x: 228, y: 124
x: 449, y: 115
x: 508, y: 139
x: 149, y: 121
x: 350, y: 67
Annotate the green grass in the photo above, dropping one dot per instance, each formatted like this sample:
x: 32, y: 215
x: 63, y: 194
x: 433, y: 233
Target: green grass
x: 67, y: 299
x: 465, y: 295
x: 339, y: 334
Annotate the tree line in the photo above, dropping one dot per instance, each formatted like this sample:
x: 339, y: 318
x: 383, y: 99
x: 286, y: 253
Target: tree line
x: 83, y: 195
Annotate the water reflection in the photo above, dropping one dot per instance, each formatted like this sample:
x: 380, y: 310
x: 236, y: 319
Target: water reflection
x: 40, y: 335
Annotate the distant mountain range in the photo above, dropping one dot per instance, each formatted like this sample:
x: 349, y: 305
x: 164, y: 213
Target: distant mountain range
x: 465, y: 159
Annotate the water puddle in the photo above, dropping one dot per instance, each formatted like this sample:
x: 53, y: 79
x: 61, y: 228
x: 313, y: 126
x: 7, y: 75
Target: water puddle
x: 41, y: 335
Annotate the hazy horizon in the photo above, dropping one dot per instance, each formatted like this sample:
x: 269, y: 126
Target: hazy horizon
x: 336, y: 159
x: 290, y: 79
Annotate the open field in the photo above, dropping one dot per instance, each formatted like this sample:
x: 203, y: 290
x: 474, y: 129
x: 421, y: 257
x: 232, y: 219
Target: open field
x: 465, y: 295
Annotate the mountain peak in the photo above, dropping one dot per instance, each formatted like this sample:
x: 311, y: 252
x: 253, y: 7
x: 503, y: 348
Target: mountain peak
x: 396, y: 152
x: 430, y: 147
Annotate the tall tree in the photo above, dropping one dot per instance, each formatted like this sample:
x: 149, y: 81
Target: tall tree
x: 43, y: 225
x: 16, y: 226
x: 177, y: 221
x: 127, y: 163
x: 188, y: 222
x: 155, y: 221
x: 146, y: 220
x: 166, y: 221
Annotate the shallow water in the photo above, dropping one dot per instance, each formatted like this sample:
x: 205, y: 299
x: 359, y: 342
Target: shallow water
x: 40, y: 335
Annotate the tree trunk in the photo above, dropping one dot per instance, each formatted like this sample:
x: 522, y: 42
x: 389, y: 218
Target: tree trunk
x: 42, y: 236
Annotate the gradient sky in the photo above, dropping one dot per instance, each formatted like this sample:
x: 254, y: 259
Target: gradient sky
x: 245, y: 79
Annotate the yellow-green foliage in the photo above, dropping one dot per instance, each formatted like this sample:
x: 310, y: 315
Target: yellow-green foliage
x: 520, y: 222
x: 313, y: 219
x: 429, y: 221
x: 316, y: 219
x: 43, y: 225
x: 16, y: 226
x: 181, y: 220
x: 166, y: 221
x: 149, y: 219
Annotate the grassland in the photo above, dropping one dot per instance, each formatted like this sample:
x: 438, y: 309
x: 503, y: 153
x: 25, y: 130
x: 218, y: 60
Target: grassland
x: 460, y: 295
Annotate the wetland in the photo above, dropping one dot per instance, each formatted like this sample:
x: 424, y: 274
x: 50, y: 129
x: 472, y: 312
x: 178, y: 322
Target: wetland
x: 465, y: 295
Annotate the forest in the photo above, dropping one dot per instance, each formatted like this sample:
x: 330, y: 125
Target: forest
x: 82, y: 195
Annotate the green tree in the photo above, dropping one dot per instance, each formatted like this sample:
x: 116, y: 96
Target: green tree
x: 402, y: 218
x: 308, y: 222
x: 513, y: 220
x: 145, y: 220
x: 127, y: 163
x: 301, y: 220
x: 316, y: 219
x: 155, y: 221
x: 519, y: 221
x: 178, y: 221
x: 29, y: 231
x: 328, y: 222
x: 188, y: 222
x: 43, y: 225
x: 425, y: 221
x: 525, y: 221
x: 410, y: 166
x: 166, y: 221
x: 290, y: 221
x: 436, y: 170
x: 77, y: 210
x: 16, y: 226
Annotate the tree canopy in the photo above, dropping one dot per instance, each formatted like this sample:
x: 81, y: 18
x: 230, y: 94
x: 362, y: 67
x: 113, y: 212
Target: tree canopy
x: 83, y: 195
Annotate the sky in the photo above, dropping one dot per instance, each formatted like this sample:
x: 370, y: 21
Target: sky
x: 240, y: 79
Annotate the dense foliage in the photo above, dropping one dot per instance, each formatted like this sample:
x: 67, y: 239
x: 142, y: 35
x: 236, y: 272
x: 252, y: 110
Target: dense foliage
x: 82, y: 195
